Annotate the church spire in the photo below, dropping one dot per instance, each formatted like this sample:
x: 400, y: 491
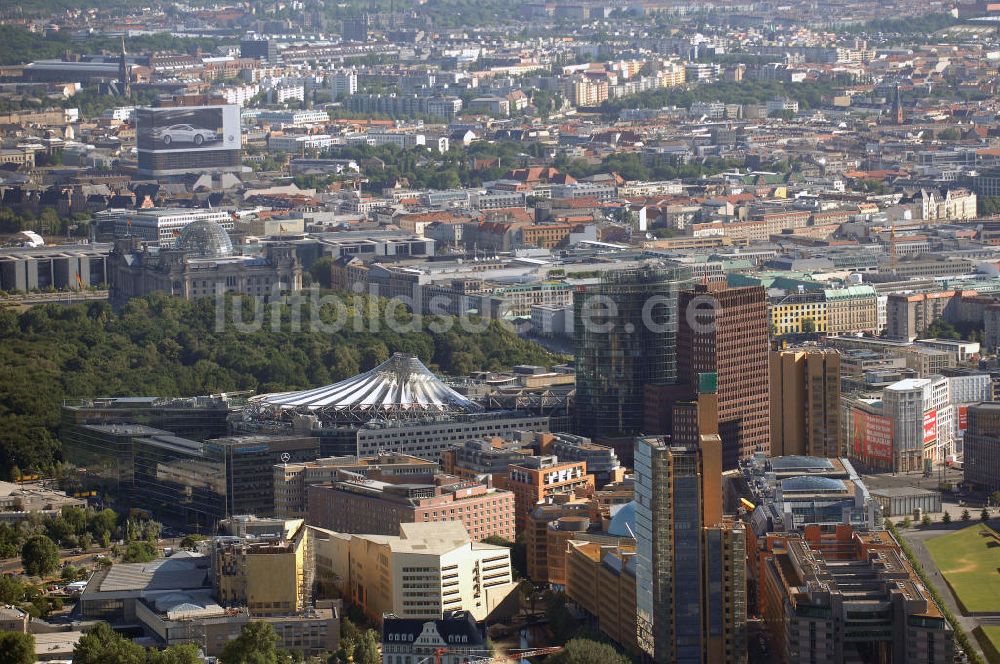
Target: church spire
x: 124, y: 74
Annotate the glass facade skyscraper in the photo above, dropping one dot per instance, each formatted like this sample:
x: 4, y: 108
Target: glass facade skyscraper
x: 625, y: 327
x: 690, y: 560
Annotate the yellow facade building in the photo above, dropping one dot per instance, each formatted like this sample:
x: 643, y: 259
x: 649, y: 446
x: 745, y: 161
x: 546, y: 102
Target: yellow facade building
x: 428, y: 570
x: 799, y: 312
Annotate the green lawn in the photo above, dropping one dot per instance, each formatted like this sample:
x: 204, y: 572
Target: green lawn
x: 969, y: 559
x: 989, y: 639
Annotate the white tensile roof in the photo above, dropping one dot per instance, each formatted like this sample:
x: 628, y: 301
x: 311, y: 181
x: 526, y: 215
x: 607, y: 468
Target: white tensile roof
x: 401, y: 383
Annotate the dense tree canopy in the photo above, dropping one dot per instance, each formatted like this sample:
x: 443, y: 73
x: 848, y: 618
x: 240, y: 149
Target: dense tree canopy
x: 17, y: 648
x: 585, y: 651
x: 39, y: 556
x: 161, y: 345
x: 102, y: 645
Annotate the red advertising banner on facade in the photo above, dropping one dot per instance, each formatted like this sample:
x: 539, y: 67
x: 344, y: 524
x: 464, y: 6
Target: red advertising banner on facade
x: 871, y: 437
x: 930, y: 426
x: 963, y: 418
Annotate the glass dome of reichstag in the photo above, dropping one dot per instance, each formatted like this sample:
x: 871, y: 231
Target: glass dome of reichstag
x: 205, y: 239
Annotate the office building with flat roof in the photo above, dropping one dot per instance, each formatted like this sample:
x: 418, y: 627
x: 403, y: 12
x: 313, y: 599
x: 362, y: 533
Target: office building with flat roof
x: 982, y: 446
x: 354, y: 503
x: 805, y: 402
x: 427, y: 571
x: 291, y: 480
x: 725, y: 331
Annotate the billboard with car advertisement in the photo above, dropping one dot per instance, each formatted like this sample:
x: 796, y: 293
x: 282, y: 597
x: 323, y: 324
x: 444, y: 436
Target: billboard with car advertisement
x: 188, y: 128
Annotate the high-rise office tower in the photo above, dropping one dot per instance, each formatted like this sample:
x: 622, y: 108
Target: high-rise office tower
x: 725, y: 331
x: 626, y: 336
x: 805, y: 402
x: 355, y: 28
x: 690, y: 560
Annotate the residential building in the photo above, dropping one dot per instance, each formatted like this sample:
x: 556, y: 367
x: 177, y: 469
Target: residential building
x: 851, y: 309
x: 909, y: 315
x: 835, y: 597
x: 805, y: 402
x: 355, y: 503
x: 797, y: 313
x: 454, y: 639
x: 428, y: 571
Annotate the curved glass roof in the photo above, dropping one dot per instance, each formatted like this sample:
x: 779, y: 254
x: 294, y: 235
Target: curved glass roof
x: 623, y: 522
x: 400, y: 384
x: 205, y: 239
x: 810, y: 483
x: 796, y: 462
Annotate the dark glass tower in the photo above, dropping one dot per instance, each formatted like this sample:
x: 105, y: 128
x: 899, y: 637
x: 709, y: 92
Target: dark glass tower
x: 625, y: 328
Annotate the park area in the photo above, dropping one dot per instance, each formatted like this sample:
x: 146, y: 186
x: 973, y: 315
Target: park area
x: 989, y: 639
x: 969, y: 560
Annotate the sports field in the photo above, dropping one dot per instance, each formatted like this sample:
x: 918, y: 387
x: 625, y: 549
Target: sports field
x: 969, y: 559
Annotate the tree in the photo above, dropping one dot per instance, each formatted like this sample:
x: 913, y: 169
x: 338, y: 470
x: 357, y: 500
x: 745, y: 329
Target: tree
x: 256, y: 644
x: 39, y: 556
x: 190, y: 541
x: 11, y: 590
x: 366, y: 651
x: 17, y: 648
x: 183, y: 653
x: 321, y: 271
x: 926, y: 520
x: 140, y: 552
x: 102, y: 645
x: 946, y: 518
x: 984, y: 515
x: 906, y: 522
x: 586, y: 651
x: 965, y: 515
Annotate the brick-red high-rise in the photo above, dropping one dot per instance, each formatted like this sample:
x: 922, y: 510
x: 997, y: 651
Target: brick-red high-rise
x: 725, y: 331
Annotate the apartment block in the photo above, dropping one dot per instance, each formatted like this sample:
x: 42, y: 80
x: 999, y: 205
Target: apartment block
x: 844, y: 596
